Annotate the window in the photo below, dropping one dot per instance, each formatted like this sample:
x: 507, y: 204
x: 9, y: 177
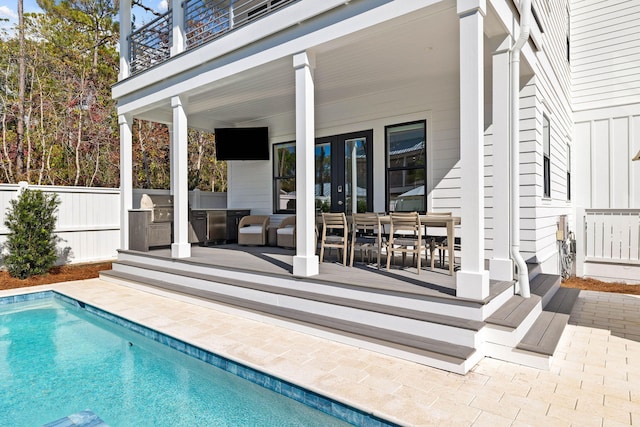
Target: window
x: 284, y: 177
x: 546, y: 142
x: 406, y: 161
x: 568, y: 172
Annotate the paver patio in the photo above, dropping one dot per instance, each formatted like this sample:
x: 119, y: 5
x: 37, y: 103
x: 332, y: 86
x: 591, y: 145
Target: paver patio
x: 594, y: 379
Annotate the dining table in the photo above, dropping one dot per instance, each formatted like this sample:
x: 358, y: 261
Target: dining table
x: 442, y: 221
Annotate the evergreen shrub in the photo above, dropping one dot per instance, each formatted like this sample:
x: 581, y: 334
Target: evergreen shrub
x: 31, y: 243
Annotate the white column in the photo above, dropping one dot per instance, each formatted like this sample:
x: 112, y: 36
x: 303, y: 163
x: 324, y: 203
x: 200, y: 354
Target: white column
x: 178, y: 34
x: 305, y: 262
x: 501, y: 265
x: 472, y: 280
x: 125, y: 31
x: 180, y: 248
x: 172, y: 160
x: 125, y: 121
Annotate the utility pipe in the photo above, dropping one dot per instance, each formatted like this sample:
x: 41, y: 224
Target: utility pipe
x: 523, y: 272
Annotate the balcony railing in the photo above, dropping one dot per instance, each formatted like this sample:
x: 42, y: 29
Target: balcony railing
x: 151, y: 44
x: 204, y: 20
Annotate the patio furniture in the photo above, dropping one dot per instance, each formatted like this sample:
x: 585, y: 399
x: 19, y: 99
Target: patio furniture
x: 436, y: 242
x: 406, y: 236
x: 366, y: 235
x: 334, y: 234
x: 252, y: 230
x: 286, y: 233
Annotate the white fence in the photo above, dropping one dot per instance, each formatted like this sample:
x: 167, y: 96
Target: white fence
x: 608, y: 246
x: 88, y: 222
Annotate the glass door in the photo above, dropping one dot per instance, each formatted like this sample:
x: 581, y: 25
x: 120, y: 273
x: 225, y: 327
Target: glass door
x: 344, y: 173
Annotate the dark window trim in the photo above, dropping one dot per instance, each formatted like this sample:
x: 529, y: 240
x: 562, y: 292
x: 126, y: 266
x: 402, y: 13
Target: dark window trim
x: 546, y: 156
x: 274, y: 178
x: 388, y: 169
x: 568, y: 172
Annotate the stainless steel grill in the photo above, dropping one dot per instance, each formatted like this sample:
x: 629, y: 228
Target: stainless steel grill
x: 161, y: 207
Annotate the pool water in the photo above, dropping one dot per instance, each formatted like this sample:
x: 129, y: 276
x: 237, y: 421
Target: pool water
x: 56, y: 359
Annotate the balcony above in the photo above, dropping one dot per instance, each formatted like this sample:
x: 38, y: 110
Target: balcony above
x: 198, y: 22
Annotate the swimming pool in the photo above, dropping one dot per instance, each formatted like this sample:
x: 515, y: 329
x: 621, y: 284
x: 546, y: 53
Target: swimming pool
x: 59, y: 356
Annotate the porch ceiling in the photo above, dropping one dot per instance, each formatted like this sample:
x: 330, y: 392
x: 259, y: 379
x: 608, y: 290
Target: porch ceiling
x: 364, y: 75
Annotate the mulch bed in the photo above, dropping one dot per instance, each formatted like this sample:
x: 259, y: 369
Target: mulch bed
x: 596, y: 285
x: 63, y: 273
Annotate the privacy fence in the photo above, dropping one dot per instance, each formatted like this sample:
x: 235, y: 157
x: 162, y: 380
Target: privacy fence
x: 88, y: 224
x: 608, y: 244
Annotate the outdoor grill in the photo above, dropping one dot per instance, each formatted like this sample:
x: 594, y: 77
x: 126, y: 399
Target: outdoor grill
x: 151, y: 225
x: 161, y: 207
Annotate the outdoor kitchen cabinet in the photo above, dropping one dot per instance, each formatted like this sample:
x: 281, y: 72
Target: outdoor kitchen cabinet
x: 216, y: 226
x: 144, y: 233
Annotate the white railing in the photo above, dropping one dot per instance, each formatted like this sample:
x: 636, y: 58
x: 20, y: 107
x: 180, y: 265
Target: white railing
x: 612, y: 235
x: 608, y: 245
x: 88, y: 222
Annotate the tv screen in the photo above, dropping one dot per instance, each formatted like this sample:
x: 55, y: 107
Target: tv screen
x: 242, y: 143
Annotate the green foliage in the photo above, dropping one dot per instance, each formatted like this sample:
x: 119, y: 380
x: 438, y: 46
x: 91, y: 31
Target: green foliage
x: 31, y: 243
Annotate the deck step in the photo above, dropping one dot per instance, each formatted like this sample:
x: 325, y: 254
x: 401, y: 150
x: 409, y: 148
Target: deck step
x: 514, y: 311
x: 544, y: 335
x: 393, y: 310
x: 545, y: 286
x: 447, y: 352
x: 563, y: 300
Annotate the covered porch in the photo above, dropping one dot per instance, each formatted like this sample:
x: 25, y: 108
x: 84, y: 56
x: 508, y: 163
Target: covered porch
x: 362, y: 67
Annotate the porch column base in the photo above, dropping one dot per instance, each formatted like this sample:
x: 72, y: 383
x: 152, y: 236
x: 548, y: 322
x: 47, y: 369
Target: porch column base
x: 306, y: 265
x: 472, y: 285
x: 180, y: 250
x: 500, y: 269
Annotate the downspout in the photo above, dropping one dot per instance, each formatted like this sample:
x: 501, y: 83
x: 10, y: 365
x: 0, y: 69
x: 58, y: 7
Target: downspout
x: 523, y: 272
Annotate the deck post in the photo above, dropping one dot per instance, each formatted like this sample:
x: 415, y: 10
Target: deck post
x: 500, y: 264
x: 177, y: 30
x: 472, y: 280
x: 180, y: 248
x: 305, y: 262
x: 125, y: 32
x: 125, y: 122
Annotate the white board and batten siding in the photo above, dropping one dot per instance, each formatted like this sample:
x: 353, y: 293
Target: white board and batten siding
x: 605, y: 59
x: 88, y: 223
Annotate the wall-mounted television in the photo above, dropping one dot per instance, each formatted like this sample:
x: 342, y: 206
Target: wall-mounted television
x: 242, y: 143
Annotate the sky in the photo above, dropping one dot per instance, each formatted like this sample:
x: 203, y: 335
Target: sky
x: 9, y: 10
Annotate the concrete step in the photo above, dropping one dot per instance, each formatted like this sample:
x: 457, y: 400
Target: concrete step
x: 420, y: 348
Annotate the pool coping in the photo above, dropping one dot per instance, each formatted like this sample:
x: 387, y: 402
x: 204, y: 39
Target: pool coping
x: 310, y: 398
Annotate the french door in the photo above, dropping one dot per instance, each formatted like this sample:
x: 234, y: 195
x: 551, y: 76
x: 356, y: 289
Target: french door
x: 344, y: 173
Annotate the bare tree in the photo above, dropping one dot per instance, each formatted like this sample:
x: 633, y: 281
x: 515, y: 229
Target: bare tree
x: 21, y: 83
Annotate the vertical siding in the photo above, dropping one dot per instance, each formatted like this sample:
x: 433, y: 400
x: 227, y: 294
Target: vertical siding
x: 606, y: 178
x: 605, y: 52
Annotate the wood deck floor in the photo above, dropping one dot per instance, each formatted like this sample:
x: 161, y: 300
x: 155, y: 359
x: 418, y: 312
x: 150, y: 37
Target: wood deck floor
x: 278, y: 262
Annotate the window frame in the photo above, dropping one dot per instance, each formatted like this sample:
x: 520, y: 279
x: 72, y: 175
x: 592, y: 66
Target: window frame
x: 546, y: 157
x: 276, y: 178
x: 389, y: 169
x: 568, y: 172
